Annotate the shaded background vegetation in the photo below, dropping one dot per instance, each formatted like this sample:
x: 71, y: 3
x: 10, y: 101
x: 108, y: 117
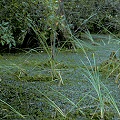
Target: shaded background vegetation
x: 32, y: 23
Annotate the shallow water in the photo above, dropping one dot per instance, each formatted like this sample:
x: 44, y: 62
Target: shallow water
x: 21, y: 74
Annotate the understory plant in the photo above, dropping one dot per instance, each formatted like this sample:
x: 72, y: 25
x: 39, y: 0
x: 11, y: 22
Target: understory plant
x: 15, y: 111
x: 103, y: 94
x: 6, y: 36
x: 59, y: 109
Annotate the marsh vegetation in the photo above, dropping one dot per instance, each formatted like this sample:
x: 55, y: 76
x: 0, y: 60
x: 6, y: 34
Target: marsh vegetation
x: 60, y: 60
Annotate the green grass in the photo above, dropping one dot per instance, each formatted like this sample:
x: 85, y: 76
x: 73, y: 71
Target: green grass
x: 92, y: 74
x: 93, y: 77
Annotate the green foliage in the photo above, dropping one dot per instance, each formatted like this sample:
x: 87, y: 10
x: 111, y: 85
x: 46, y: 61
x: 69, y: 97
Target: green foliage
x: 49, y: 16
x: 19, y: 14
x: 111, y: 68
x: 6, y: 36
x: 19, y: 114
x: 104, y: 14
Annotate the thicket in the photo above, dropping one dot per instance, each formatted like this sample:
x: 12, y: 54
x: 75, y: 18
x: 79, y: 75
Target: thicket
x: 33, y: 23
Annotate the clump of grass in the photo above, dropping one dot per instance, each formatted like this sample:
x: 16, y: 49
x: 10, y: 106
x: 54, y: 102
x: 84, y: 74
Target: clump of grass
x: 15, y: 111
x: 103, y: 94
x: 63, y: 97
x: 110, y: 67
x: 89, y: 36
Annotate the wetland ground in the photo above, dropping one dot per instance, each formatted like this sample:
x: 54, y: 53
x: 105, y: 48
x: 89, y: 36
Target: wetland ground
x: 27, y: 86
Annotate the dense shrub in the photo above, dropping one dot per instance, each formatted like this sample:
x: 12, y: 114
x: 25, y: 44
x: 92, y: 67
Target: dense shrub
x: 78, y: 15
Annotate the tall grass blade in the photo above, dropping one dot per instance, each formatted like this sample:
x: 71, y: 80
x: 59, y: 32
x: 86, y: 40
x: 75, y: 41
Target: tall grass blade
x: 92, y: 75
x: 19, y: 114
x: 75, y: 105
x: 52, y: 103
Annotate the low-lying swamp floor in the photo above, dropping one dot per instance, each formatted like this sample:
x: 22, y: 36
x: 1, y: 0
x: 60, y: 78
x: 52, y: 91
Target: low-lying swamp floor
x: 26, y: 84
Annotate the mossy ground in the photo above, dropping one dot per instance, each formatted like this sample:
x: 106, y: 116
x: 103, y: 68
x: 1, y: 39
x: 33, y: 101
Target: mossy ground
x: 23, y: 75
